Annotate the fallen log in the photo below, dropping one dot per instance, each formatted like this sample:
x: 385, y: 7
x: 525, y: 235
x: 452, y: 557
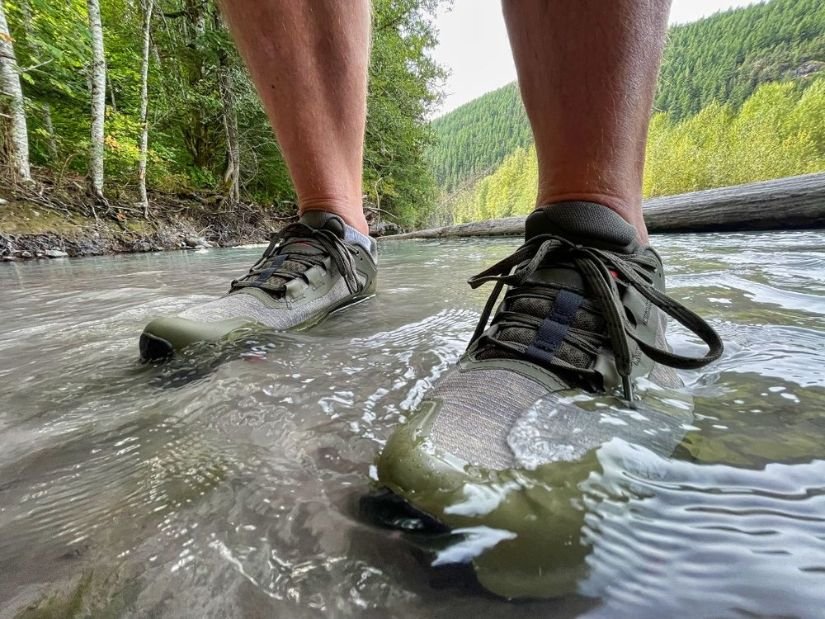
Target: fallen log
x: 796, y: 202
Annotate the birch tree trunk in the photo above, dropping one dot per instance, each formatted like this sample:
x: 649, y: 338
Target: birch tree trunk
x: 144, y: 105
x: 10, y: 86
x: 98, y: 94
x: 226, y: 85
x: 232, y: 176
x: 52, y: 140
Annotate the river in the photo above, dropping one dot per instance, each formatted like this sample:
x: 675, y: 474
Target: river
x: 226, y: 482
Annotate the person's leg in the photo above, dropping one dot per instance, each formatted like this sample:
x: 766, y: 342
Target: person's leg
x: 309, y: 63
x: 587, y: 71
x: 583, y: 316
x: 308, y: 59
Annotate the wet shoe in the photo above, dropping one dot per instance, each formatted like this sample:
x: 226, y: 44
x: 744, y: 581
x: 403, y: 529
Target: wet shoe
x: 310, y: 269
x: 500, y: 445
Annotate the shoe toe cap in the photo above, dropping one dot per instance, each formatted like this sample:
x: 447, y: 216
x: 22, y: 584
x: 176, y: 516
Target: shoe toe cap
x: 163, y: 336
x: 525, y: 526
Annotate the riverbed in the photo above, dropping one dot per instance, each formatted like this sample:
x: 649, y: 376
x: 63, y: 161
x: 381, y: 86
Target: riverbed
x: 226, y: 482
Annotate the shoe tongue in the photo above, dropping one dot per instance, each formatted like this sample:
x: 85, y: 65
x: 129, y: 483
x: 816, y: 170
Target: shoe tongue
x: 320, y: 220
x: 582, y: 222
x: 323, y: 220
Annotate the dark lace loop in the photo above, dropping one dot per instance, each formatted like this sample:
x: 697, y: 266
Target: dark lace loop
x: 595, y: 266
x: 326, y: 242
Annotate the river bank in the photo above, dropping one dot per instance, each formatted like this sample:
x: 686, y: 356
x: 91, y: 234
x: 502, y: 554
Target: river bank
x: 42, y: 221
x: 45, y: 221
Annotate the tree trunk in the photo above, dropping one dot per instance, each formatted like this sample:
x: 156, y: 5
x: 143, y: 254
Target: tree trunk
x: 796, y: 202
x: 52, y: 141
x: 232, y: 176
x: 196, y: 132
x: 144, y: 105
x: 98, y: 94
x: 112, y: 94
x: 10, y: 86
x: 26, y: 8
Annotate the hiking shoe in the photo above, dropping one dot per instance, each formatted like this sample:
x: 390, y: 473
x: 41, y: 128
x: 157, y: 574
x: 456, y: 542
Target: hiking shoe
x: 499, y: 447
x: 310, y: 269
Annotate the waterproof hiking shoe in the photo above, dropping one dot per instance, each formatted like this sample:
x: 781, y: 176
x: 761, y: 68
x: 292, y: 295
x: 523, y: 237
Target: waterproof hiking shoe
x: 498, y: 449
x: 310, y: 269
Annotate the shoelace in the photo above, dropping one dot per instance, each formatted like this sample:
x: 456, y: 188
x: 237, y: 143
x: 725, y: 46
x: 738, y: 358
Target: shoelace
x: 595, y: 266
x: 272, y: 262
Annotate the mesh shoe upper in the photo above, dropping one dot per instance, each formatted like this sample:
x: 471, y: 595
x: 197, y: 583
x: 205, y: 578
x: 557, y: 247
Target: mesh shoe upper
x: 307, y: 268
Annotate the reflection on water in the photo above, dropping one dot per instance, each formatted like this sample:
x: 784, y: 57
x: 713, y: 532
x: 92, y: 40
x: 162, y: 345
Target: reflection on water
x: 227, y: 482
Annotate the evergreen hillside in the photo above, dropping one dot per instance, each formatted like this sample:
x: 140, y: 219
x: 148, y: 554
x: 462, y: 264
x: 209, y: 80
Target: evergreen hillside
x: 722, y: 58
x: 778, y: 131
x: 475, y: 138
x: 725, y: 57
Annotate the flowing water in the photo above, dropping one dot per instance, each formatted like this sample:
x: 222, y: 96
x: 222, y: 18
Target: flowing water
x: 226, y: 483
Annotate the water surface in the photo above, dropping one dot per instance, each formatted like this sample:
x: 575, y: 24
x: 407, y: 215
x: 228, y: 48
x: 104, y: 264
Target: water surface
x: 226, y: 482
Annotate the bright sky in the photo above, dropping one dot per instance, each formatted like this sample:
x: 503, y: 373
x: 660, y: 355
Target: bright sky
x: 473, y: 44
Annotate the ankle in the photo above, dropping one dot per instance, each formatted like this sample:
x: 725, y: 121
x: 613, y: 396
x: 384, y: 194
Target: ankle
x: 349, y: 210
x: 631, y: 212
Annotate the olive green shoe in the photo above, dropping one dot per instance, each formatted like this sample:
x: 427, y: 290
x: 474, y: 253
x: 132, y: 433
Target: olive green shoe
x: 310, y: 269
x: 499, y: 449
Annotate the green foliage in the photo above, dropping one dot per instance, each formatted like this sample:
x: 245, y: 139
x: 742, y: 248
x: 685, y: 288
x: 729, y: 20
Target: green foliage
x: 509, y: 190
x: 187, y: 141
x: 52, y: 47
x: 476, y: 137
x: 779, y: 131
x: 722, y: 58
x: 402, y: 93
x: 725, y: 57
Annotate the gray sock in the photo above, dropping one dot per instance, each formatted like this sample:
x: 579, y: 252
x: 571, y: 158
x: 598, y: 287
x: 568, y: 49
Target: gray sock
x: 351, y: 235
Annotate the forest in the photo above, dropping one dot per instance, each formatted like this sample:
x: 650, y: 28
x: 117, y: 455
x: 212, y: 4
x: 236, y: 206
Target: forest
x: 142, y: 108
x: 141, y: 99
x: 722, y: 59
x: 477, y: 136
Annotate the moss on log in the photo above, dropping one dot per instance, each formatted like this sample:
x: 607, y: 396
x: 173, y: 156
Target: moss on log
x: 796, y: 202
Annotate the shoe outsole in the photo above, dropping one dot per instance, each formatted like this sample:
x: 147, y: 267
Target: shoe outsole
x: 388, y: 510
x: 385, y: 509
x: 154, y: 348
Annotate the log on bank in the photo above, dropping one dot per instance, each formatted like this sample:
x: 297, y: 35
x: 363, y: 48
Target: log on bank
x: 796, y: 202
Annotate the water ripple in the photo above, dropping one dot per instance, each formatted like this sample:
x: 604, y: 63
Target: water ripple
x: 224, y: 483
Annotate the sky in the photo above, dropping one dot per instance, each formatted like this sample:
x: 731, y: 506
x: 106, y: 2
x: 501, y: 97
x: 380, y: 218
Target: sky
x: 473, y: 44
